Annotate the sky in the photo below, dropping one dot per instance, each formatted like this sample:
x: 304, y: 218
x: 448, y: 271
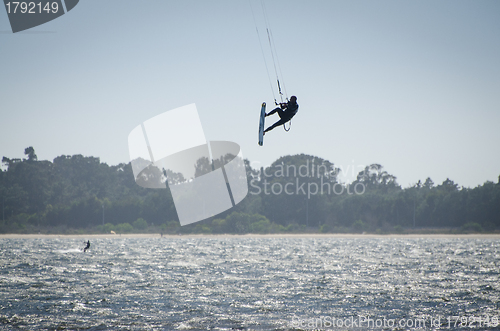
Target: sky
x: 411, y: 85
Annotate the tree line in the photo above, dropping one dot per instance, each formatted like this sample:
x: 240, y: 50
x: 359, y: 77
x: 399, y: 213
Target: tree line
x: 295, y: 194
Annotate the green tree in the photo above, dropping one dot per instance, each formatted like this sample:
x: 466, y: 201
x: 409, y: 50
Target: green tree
x: 30, y: 151
x: 140, y: 224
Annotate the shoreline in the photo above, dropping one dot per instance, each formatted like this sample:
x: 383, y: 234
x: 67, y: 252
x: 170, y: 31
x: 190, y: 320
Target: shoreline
x: 276, y: 235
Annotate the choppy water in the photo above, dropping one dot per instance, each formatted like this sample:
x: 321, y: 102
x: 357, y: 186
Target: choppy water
x: 248, y: 283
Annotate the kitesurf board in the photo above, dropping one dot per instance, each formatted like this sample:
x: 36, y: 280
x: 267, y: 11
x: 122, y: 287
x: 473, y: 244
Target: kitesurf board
x: 261, y: 123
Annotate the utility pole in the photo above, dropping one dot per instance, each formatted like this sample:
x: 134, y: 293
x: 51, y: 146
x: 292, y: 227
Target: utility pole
x: 417, y: 187
x: 307, y: 212
x: 414, y: 198
x: 102, y: 214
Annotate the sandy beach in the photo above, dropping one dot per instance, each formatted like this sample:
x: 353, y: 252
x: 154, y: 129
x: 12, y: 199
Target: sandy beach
x: 283, y: 235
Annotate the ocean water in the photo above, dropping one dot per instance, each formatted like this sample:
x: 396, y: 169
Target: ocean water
x: 250, y: 284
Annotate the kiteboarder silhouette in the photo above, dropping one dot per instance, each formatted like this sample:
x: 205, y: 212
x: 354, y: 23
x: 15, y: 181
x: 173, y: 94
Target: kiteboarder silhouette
x: 87, y: 247
x: 286, y: 111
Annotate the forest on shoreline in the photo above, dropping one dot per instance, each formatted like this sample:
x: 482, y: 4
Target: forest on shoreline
x: 295, y: 194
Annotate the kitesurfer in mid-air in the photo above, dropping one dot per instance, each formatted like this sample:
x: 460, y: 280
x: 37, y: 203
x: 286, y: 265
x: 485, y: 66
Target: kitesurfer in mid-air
x: 87, y: 247
x: 286, y: 111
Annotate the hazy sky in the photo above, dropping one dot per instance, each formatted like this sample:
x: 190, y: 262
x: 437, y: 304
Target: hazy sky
x: 411, y: 85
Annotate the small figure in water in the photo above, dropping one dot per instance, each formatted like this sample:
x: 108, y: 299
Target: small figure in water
x: 286, y: 111
x: 87, y: 247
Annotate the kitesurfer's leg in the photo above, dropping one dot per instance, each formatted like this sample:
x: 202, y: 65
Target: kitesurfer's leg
x: 280, y: 122
x: 277, y: 109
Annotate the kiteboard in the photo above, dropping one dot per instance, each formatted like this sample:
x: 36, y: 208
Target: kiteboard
x: 261, y: 123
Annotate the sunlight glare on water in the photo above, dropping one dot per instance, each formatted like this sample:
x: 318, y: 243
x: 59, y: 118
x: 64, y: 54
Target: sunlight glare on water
x: 243, y: 283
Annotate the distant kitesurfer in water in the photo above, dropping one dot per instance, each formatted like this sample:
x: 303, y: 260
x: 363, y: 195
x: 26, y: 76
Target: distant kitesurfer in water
x: 87, y: 247
x: 286, y: 111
